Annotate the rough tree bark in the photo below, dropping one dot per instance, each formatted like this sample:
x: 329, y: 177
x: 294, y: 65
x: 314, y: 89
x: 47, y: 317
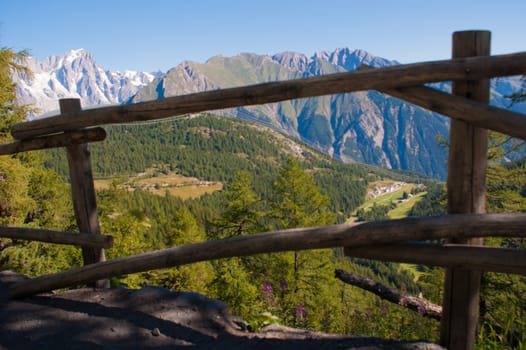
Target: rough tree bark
x: 422, y: 306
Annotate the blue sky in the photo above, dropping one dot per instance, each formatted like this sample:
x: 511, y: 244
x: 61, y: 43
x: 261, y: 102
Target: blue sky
x: 150, y: 35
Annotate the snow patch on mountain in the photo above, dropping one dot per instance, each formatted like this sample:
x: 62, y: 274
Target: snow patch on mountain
x: 75, y: 74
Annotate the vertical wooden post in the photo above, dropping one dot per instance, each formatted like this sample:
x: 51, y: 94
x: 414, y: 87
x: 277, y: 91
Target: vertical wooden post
x: 466, y: 194
x: 83, y: 192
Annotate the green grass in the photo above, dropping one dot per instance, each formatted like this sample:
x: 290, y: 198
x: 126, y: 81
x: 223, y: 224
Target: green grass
x: 159, y: 183
x: 403, y: 208
x: 412, y: 269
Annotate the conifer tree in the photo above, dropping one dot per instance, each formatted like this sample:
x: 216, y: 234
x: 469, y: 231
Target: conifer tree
x: 194, y: 277
x: 30, y: 195
x: 234, y: 278
x: 298, y: 203
x: 11, y: 112
x: 243, y: 214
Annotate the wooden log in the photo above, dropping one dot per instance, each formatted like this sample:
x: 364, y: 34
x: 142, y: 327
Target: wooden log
x: 450, y: 255
x: 387, y: 77
x: 52, y: 141
x: 57, y: 237
x: 466, y: 189
x: 83, y: 192
x: 345, y: 235
x: 421, y: 305
x: 460, y: 108
x: 475, y: 113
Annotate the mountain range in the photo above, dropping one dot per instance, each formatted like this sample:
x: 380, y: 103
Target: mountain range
x: 76, y: 74
x: 364, y: 126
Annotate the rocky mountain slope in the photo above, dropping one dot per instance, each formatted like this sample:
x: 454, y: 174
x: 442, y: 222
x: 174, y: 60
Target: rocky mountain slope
x: 364, y: 126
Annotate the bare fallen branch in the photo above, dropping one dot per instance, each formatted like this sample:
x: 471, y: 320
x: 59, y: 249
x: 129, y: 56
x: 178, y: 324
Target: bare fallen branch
x: 422, y: 306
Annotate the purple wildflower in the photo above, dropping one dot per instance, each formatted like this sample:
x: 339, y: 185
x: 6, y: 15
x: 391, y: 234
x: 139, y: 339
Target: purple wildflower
x: 267, y: 292
x: 283, y: 284
x: 301, y: 314
x: 267, y: 288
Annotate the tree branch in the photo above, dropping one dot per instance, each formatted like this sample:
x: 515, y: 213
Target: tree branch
x: 421, y: 305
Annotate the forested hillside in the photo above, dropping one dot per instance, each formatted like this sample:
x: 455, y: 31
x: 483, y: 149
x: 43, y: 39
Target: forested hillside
x: 215, y: 148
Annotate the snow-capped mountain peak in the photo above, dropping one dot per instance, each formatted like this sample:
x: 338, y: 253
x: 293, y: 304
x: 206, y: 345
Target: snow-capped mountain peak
x: 76, y: 74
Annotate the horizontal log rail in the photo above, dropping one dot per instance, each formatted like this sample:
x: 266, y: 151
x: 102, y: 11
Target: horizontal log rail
x: 456, y: 107
x: 460, y: 108
x: 57, y: 237
x: 467, y: 257
x: 52, y: 141
x: 345, y: 235
x: 469, y: 68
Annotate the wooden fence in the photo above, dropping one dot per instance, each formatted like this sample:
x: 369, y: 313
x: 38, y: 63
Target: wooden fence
x: 465, y: 226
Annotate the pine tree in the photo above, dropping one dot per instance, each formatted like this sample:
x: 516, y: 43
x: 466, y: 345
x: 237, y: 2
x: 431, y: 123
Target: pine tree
x: 11, y: 112
x: 194, y: 277
x: 243, y: 213
x: 30, y: 195
x: 298, y: 203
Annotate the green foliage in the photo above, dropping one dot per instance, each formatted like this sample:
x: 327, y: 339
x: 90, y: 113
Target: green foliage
x: 232, y: 284
x: 30, y: 195
x: 10, y: 111
x: 503, y: 309
x: 219, y: 149
x: 260, y: 320
x: 506, y: 186
x: 375, y: 213
x: 298, y: 201
x: 393, y: 322
x: 35, y: 258
x: 243, y: 212
x: 195, y: 277
x: 14, y: 199
x: 433, y: 203
x: 346, y: 190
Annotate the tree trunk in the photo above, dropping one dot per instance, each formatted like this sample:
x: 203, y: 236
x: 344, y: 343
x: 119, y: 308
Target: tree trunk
x: 419, y: 304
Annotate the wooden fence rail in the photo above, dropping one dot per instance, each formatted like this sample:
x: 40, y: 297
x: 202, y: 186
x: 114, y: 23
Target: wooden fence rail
x: 57, y: 237
x: 53, y: 141
x: 449, y: 255
x: 460, y: 108
x: 345, y: 235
